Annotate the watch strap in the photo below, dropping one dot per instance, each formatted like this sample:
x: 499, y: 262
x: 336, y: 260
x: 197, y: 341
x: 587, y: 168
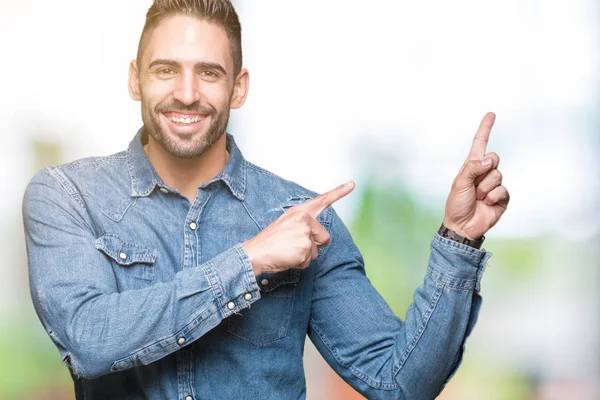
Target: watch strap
x: 450, y: 234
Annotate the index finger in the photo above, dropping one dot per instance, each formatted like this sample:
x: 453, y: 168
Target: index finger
x: 482, y: 136
x: 317, y: 205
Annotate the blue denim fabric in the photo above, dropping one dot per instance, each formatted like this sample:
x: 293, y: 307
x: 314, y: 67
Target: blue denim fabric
x: 148, y: 296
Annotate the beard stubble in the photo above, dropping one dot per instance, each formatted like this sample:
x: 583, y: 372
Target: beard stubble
x: 185, y: 146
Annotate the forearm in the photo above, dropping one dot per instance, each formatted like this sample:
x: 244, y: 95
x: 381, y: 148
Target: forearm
x: 439, y: 320
x: 101, y: 332
x: 380, y: 355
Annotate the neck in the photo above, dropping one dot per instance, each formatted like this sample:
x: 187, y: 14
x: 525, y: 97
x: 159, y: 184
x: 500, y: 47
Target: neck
x: 186, y: 175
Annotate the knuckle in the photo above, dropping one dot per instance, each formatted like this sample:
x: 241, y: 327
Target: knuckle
x: 498, y: 175
x: 292, y: 210
x: 301, y: 215
x: 471, y: 168
x: 481, y: 138
x: 307, y: 245
x: 466, y: 170
x: 493, y: 175
x: 324, y: 241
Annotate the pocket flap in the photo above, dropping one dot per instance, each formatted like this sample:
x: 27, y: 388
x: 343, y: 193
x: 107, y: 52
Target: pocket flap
x: 125, y: 253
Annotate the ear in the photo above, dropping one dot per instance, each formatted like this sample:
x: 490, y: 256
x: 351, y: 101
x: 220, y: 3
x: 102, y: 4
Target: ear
x: 240, y: 89
x: 134, y: 81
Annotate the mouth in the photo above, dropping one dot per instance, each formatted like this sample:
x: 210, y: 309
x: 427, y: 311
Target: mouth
x: 184, y: 122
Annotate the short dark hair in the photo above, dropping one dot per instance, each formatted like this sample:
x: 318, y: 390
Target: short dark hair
x: 220, y: 12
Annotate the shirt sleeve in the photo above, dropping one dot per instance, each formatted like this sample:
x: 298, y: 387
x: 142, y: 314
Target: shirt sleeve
x: 377, y: 353
x: 97, y: 329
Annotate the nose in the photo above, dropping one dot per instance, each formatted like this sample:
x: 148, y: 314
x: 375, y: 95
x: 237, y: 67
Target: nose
x: 187, y: 89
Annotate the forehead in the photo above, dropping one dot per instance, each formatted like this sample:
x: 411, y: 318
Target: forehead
x: 189, y: 40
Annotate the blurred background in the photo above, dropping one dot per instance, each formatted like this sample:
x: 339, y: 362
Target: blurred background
x: 386, y: 93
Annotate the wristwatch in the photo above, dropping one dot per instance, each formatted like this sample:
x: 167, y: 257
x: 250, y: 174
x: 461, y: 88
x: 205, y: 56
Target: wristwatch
x: 450, y: 234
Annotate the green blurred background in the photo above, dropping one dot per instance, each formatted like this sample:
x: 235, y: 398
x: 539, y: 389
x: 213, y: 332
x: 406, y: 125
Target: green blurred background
x: 388, y: 94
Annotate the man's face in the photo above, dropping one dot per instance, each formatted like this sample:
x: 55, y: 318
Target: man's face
x: 185, y: 83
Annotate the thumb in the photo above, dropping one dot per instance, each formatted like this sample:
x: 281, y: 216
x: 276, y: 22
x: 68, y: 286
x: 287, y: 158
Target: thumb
x: 473, y: 169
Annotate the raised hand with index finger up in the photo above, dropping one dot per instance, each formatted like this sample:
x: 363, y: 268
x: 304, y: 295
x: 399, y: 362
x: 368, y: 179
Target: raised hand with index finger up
x: 475, y: 204
x: 477, y: 199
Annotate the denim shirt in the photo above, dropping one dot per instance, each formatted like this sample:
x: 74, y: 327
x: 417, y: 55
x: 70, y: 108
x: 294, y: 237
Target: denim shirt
x: 148, y: 296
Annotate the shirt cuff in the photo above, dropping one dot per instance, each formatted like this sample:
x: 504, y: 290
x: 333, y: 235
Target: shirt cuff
x: 457, y: 265
x: 232, y: 279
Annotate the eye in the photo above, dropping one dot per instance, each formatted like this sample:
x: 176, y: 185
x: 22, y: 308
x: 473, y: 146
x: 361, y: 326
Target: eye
x: 166, y: 72
x: 208, y: 74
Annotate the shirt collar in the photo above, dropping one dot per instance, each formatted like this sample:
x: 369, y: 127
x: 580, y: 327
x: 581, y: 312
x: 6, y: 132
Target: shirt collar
x: 144, y: 178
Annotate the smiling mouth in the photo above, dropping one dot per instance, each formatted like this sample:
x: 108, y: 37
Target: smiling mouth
x: 184, y: 119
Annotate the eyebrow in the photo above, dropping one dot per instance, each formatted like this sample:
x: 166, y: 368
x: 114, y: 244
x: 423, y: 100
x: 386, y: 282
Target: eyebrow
x: 198, y: 65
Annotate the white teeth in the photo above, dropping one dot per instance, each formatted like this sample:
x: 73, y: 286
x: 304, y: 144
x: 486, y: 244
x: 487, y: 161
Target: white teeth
x: 187, y: 120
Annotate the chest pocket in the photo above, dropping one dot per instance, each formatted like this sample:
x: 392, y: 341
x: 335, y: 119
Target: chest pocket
x: 133, y: 263
x: 269, y: 318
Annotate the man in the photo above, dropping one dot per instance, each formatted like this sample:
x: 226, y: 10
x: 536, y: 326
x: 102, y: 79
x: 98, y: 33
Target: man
x: 177, y: 269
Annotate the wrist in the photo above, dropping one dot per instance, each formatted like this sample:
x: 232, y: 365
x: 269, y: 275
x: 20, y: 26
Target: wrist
x: 458, y: 229
x: 459, y: 236
x: 248, y: 249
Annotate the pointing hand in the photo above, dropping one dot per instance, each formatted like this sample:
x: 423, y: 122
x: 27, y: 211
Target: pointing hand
x: 293, y: 239
x: 477, y: 199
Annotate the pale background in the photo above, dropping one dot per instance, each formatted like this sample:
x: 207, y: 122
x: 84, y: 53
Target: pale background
x: 387, y: 93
